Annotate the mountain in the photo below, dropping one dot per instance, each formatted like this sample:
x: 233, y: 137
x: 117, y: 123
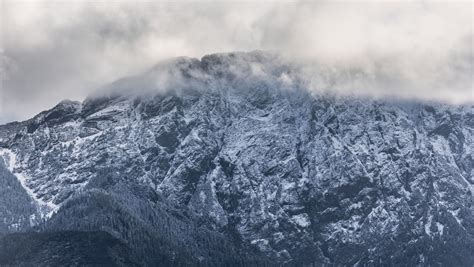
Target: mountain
x: 232, y: 160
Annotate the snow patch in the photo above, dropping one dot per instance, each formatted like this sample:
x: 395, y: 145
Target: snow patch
x: 110, y: 110
x: 428, y: 225
x: 441, y: 146
x: 285, y: 185
x: 71, y: 124
x: 9, y: 158
x: 440, y: 228
x: 262, y: 244
x: 202, y: 196
x: 338, y: 146
x: 302, y: 220
x: 455, y: 214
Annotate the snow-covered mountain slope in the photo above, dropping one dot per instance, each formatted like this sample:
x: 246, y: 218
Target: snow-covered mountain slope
x: 238, y: 142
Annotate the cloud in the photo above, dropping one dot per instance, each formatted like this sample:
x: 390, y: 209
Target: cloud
x: 403, y: 49
x: 66, y: 49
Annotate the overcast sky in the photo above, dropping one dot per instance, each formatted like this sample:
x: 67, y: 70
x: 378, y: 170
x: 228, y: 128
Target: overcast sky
x: 54, y: 50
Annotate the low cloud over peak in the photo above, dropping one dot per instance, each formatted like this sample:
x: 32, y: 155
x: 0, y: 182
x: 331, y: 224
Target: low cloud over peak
x: 56, y: 50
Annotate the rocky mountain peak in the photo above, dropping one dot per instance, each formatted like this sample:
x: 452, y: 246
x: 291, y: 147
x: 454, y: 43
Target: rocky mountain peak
x: 236, y: 146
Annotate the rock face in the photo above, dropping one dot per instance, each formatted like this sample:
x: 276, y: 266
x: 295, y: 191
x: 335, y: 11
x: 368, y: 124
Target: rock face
x: 234, y: 148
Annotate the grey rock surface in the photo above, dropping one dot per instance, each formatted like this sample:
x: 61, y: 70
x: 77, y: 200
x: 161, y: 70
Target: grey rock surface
x: 238, y: 142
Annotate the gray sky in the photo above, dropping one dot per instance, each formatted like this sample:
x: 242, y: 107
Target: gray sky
x: 54, y: 50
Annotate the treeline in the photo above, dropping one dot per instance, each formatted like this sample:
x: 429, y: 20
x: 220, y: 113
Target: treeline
x: 64, y: 248
x: 17, y: 211
x: 156, y: 233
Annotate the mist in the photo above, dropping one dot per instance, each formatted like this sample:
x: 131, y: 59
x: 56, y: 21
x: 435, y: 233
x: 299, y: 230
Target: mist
x: 51, y: 51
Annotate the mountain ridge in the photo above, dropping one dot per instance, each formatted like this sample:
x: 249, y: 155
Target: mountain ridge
x: 239, y: 147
